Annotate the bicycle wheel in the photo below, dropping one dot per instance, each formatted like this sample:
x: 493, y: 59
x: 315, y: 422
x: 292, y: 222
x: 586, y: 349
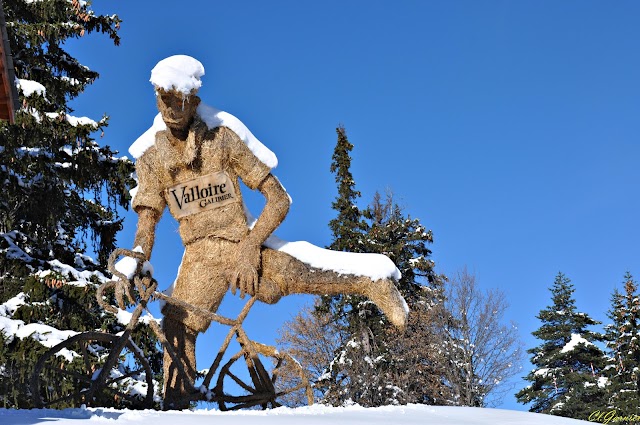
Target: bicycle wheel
x: 71, y: 374
x: 255, y: 386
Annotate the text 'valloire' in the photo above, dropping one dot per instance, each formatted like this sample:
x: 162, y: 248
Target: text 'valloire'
x: 203, y: 193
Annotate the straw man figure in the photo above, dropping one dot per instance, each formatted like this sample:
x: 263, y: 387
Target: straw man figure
x: 193, y: 168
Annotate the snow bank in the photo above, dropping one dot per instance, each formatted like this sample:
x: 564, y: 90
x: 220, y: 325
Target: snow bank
x: 316, y: 415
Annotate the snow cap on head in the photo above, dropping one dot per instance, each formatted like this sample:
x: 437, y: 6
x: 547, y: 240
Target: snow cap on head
x: 180, y: 72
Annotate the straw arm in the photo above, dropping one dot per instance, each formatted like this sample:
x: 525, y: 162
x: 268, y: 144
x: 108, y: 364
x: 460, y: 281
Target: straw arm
x: 275, y: 210
x: 146, y: 232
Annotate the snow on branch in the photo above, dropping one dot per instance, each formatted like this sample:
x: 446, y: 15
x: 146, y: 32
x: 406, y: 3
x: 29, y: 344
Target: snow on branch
x: 575, y: 340
x: 12, y: 328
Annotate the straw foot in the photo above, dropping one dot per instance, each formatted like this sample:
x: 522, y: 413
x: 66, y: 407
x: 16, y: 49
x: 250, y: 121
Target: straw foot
x: 388, y: 299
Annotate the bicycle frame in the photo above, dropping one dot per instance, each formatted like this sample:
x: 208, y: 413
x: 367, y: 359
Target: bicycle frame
x: 146, y: 288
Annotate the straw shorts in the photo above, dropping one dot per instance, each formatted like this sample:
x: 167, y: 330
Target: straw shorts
x: 201, y: 279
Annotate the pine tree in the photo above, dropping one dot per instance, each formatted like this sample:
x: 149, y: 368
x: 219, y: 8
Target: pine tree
x: 405, y: 241
x: 381, y: 228
x: 567, y: 379
x: 370, y: 368
x: 379, y: 365
x: 59, y: 183
x: 347, y: 227
x: 623, y: 343
x: 61, y: 192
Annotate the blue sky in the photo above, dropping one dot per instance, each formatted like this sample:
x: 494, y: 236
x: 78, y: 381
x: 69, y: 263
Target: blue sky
x: 509, y: 128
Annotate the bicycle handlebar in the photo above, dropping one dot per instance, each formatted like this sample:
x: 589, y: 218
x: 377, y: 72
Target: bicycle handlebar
x: 123, y: 285
x: 146, y: 287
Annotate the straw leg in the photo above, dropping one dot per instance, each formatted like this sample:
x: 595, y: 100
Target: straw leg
x: 291, y: 276
x: 178, y: 387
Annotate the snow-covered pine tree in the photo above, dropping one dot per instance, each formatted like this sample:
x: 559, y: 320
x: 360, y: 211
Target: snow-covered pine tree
x: 623, y: 346
x: 347, y: 228
x: 381, y: 228
x: 376, y: 366
x: 568, y: 376
x: 61, y: 193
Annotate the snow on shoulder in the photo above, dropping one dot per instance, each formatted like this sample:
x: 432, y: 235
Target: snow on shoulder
x: 213, y: 118
x: 148, y: 138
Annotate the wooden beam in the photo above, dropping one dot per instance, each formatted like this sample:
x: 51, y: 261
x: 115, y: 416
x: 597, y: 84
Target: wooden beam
x: 9, y: 90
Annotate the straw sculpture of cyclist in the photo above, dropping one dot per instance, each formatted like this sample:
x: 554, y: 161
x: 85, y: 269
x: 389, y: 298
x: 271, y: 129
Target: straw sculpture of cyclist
x: 193, y: 168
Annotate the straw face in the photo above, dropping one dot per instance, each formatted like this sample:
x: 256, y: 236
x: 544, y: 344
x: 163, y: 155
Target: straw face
x: 177, y: 110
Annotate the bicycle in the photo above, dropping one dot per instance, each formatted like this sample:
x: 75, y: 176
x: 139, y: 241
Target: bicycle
x: 100, y: 368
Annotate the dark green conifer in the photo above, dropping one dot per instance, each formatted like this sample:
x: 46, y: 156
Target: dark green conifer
x: 347, y: 227
x: 61, y: 191
x: 567, y: 379
x: 371, y: 367
x: 623, y: 347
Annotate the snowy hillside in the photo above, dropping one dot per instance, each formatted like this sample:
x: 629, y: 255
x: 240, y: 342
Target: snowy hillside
x: 355, y: 415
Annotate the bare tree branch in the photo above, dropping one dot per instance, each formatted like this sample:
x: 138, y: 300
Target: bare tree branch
x: 485, y: 351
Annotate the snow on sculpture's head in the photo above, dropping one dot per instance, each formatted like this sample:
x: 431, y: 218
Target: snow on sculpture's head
x: 177, y: 80
x: 180, y: 73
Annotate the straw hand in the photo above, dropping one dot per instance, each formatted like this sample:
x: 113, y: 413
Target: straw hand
x: 245, y: 274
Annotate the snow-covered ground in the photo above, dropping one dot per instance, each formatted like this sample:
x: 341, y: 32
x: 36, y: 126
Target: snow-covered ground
x: 353, y: 415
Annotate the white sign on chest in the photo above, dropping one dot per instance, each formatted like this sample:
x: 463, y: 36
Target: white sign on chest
x: 200, y: 194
